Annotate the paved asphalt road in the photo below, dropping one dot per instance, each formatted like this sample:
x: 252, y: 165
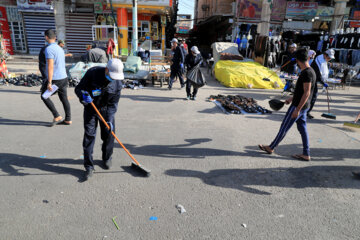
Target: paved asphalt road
x: 200, y: 158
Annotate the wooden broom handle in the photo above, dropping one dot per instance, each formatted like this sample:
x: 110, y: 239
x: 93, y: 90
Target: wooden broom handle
x: 112, y: 132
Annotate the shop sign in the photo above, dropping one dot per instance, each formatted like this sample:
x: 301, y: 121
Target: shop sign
x: 35, y: 6
x: 325, y: 13
x: 297, y: 25
x: 101, y: 7
x: 301, y: 10
x: 165, y: 3
x: 249, y: 9
x: 6, y: 35
x: 355, y: 16
x: 183, y: 24
x: 278, y: 10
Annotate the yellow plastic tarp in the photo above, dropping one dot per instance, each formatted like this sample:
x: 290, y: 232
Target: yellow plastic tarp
x: 246, y: 75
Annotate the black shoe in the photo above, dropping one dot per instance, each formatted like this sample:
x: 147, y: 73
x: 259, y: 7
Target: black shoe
x: 169, y: 88
x: 183, y: 85
x: 88, y: 174
x: 309, y: 116
x: 356, y: 174
x: 108, y: 163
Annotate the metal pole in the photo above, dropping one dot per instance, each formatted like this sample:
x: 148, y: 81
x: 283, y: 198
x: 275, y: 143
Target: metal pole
x: 135, y: 28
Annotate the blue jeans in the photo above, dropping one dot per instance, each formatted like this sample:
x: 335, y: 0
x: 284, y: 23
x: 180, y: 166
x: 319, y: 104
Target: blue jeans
x: 301, y: 126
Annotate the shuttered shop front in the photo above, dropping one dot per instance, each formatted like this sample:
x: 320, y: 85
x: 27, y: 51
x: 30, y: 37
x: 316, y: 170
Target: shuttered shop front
x: 78, y: 31
x: 35, y: 26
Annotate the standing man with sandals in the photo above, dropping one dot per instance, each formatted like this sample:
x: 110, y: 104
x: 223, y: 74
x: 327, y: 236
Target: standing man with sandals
x: 56, y: 75
x: 299, y: 107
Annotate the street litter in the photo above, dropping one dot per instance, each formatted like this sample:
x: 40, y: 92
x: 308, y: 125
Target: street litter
x: 117, y: 226
x: 152, y: 218
x: 45, y: 201
x: 180, y: 208
x: 231, y: 104
x: 244, y: 225
x: 43, y: 156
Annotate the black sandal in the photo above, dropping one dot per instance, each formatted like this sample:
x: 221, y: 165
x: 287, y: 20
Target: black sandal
x: 264, y: 149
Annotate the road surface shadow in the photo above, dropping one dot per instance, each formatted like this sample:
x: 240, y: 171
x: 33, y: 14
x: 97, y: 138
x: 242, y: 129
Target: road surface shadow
x: 337, y: 177
x: 14, y: 122
x: 20, y: 91
x: 14, y: 164
x: 180, y: 150
x: 144, y: 98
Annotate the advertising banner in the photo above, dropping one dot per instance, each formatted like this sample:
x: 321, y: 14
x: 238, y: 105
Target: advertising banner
x: 5, y: 31
x: 278, y: 10
x: 301, y: 10
x: 325, y: 13
x: 183, y: 25
x: 165, y: 3
x: 249, y: 9
x: 35, y: 6
x: 355, y: 16
x: 101, y: 7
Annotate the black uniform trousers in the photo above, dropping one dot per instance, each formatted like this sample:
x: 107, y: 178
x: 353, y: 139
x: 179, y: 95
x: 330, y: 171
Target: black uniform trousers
x: 176, y: 72
x: 91, y: 121
x: 188, y: 89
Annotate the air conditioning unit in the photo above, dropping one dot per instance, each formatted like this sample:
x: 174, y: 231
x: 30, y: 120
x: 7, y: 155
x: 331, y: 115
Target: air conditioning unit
x: 205, y: 7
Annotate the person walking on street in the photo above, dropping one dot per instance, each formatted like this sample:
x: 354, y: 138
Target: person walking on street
x: 42, y: 62
x: 56, y: 74
x: 177, y: 65
x: 320, y: 66
x: 297, y: 111
x: 102, y: 86
x: 62, y: 45
x: 192, y: 60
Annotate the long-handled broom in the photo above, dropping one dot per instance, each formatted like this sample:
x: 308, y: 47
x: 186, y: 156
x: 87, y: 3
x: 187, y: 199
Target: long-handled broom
x: 135, y: 164
x: 328, y: 114
x: 268, y: 78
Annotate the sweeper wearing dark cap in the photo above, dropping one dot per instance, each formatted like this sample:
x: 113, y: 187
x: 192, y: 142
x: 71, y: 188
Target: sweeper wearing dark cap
x: 300, y: 103
x: 100, y: 86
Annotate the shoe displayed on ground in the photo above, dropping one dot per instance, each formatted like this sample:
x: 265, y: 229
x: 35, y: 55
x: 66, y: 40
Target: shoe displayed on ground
x: 88, y: 174
x: 309, y: 116
x: 356, y: 174
x: 108, y: 163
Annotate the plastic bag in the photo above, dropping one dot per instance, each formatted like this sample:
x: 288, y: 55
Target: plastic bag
x: 196, y: 77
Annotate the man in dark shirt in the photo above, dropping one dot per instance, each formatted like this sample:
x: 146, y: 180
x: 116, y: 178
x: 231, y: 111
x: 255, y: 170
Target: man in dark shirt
x: 300, y: 104
x: 177, y: 64
x: 101, y: 86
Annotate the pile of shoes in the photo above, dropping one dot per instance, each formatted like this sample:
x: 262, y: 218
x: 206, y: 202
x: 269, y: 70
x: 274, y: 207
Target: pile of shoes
x: 133, y: 84
x: 23, y: 80
x: 73, y: 82
x: 238, y: 104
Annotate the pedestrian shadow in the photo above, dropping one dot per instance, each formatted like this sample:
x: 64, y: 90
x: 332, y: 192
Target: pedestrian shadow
x: 20, y: 91
x: 254, y: 180
x: 15, y: 122
x: 144, y: 98
x: 186, y: 150
x: 16, y: 164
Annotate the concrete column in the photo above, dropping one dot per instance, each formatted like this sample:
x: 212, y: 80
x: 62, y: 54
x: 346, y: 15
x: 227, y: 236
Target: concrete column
x: 264, y: 26
x: 340, y: 6
x: 59, y: 13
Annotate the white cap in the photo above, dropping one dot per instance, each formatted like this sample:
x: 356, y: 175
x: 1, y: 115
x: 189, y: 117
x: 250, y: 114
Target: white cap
x: 311, y: 53
x: 195, y: 50
x: 116, y: 69
x: 330, y: 53
x: 293, y: 45
x: 174, y: 40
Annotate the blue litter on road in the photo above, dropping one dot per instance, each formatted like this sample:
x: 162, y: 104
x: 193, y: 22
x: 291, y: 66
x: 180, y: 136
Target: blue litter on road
x: 152, y: 218
x: 320, y: 141
x: 82, y: 157
x: 43, y: 156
